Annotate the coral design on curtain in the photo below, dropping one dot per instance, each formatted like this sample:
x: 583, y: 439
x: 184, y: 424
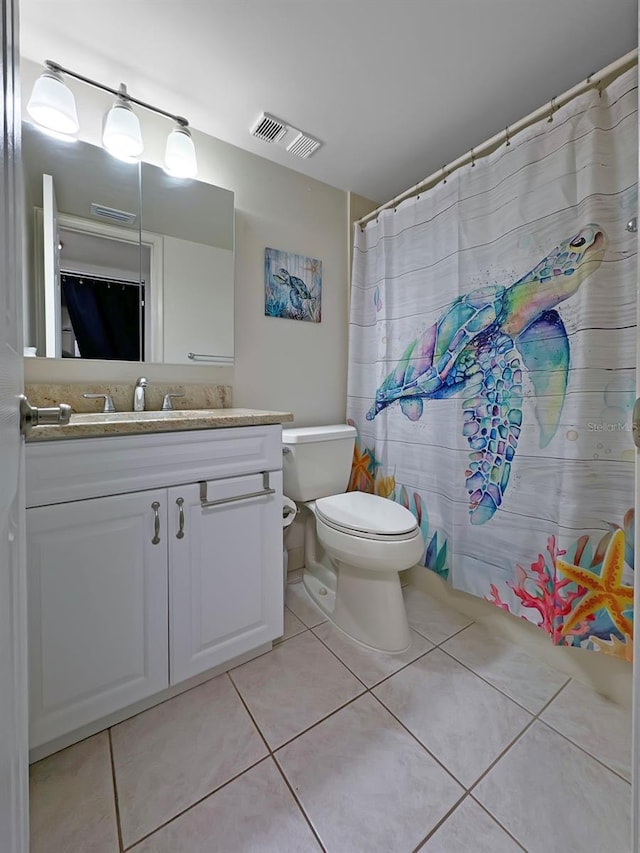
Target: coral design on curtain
x: 492, y: 370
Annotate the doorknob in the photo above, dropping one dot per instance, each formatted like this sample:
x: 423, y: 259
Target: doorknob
x: 31, y: 416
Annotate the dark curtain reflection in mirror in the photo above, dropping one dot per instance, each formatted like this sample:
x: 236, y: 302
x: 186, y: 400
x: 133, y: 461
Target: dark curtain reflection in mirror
x: 105, y: 318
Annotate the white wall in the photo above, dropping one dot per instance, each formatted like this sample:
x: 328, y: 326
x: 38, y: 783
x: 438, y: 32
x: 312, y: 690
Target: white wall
x: 280, y: 364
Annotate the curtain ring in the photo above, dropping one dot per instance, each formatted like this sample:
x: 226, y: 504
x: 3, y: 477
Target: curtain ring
x: 552, y: 111
x: 445, y: 174
x: 507, y: 137
x: 473, y: 159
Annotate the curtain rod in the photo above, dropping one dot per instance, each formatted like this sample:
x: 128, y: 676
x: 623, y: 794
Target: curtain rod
x: 594, y: 81
x: 97, y: 277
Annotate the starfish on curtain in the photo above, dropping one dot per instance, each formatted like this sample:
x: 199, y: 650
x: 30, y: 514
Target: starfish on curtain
x: 362, y: 477
x: 604, y: 590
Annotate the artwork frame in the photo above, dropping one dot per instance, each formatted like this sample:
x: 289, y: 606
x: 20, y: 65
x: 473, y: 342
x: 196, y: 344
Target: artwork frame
x: 292, y: 286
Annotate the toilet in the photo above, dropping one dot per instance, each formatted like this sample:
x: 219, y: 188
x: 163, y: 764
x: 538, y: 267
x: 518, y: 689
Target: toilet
x: 355, y: 543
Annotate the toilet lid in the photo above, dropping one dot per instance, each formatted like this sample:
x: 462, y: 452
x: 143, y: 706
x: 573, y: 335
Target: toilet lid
x: 365, y: 513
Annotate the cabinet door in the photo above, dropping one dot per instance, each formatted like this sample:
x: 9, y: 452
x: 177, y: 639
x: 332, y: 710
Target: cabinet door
x: 98, y: 609
x: 225, y: 573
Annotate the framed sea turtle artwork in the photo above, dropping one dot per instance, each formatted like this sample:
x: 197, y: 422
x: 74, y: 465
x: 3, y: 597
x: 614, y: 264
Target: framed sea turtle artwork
x: 292, y: 286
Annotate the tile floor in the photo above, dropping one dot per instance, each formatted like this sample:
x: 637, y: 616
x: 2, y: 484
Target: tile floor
x: 463, y: 744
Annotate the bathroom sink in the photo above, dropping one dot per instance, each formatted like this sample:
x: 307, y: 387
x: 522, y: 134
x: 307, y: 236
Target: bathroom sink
x: 126, y: 417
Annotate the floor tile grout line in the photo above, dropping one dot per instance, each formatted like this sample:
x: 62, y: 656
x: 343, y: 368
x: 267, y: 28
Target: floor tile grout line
x: 311, y: 627
x: 513, y: 742
x: 275, y: 759
x: 495, y: 687
x: 468, y: 792
x: 418, y: 741
x: 335, y: 654
x: 577, y: 745
x: 440, y: 645
x: 369, y: 690
x: 455, y: 633
x: 115, y: 792
x: 386, y: 677
x: 279, y: 641
x: 194, y: 804
x: 495, y: 820
x: 586, y: 751
x: 224, y: 784
x: 248, y: 710
x: 440, y: 823
x: 499, y: 757
x: 273, y: 750
x: 164, y: 701
x: 468, y: 789
x: 318, y: 722
x: 316, y: 834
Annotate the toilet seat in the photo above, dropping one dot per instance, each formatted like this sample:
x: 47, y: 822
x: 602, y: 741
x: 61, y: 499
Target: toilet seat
x: 367, y: 516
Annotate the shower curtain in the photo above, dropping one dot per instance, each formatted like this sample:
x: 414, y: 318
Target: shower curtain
x: 492, y: 370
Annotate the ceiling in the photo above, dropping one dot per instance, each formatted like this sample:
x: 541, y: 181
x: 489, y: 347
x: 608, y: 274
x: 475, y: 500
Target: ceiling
x: 393, y: 88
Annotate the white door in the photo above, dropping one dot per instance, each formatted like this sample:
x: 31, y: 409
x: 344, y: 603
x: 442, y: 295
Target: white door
x: 225, y: 573
x: 97, y: 581
x: 52, y: 292
x: 13, y: 664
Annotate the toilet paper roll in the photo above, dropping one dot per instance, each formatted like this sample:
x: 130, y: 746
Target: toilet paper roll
x: 289, y: 511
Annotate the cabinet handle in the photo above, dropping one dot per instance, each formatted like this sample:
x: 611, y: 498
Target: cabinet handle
x: 155, y: 506
x: 180, y: 533
x: 266, y: 490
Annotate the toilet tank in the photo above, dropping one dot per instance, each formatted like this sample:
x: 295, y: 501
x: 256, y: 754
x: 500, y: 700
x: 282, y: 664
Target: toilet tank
x: 317, y: 460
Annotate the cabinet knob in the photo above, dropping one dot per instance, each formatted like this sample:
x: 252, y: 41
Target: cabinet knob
x: 155, y: 506
x: 180, y: 533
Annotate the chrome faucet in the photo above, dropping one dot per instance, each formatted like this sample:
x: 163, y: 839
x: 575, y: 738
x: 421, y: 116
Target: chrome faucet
x: 167, y: 405
x: 138, y: 394
x: 108, y: 406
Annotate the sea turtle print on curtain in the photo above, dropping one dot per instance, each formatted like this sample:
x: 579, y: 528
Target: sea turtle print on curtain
x: 492, y: 370
x: 478, y: 347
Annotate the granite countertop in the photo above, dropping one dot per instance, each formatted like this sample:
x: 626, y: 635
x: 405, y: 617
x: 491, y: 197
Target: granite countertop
x: 99, y: 425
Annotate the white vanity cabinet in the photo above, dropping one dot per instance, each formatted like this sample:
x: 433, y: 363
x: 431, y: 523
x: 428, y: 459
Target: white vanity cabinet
x: 220, y: 600
x: 133, y: 585
x: 98, y: 609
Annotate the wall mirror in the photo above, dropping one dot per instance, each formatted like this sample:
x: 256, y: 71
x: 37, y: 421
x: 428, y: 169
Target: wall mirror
x: 124, y: 261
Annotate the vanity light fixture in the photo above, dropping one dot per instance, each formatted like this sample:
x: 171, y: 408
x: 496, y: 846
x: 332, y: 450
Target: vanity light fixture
x: 52, y: 104
x: 53, y: 107
x: 121, y: 134
x: 180, y: 154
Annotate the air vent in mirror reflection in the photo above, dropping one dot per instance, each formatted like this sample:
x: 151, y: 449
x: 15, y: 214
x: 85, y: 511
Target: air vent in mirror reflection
x: 112, y: 214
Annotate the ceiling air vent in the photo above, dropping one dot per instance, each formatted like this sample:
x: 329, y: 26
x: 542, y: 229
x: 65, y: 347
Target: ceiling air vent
x: 112, y: 214
x: 269, y: 128
x: 303, y: 145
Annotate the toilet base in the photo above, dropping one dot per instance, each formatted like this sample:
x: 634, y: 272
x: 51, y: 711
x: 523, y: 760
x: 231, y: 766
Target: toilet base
x: 367, y: 607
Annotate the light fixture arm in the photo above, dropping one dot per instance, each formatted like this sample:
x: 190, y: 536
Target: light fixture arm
x: 118, y: 93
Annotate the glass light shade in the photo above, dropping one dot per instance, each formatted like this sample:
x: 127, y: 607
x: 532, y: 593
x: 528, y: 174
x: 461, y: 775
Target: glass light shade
x: 180, y: 154
x: 121, y: 134
x: 52, y: 104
